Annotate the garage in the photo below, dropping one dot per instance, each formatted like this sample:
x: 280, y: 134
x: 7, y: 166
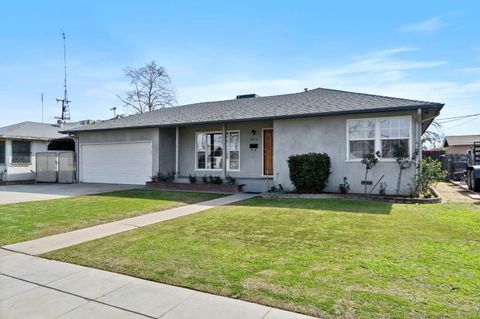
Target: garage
x: 116, y: 163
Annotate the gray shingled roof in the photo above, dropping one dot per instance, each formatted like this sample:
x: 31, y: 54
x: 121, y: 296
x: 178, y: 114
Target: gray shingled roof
x: 311, y: 103
x: 31, y: 130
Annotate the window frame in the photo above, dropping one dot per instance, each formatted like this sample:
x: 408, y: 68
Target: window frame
x: 227, y: 159
x: 378, y: 137
x: 22, y: 163
x: 3, y: 160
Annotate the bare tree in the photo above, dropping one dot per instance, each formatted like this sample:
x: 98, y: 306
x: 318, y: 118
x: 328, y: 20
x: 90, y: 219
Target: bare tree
x: 433, y: 136
x: 151, y: 88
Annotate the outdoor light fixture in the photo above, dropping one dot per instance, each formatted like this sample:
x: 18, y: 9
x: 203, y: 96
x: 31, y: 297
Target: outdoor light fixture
x: 253, y: 132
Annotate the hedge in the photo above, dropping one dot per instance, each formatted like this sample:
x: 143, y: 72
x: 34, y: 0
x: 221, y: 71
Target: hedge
x: 309, y: 172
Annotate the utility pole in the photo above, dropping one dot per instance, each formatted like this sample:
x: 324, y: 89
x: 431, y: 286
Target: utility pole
x: 65, y: 102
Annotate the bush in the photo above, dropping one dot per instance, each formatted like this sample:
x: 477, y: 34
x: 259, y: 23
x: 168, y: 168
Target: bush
x: 230, y: 180
x: 160, y: 177
x: 309, y: 172
x: 216, y: 180
x: 431, y: 173
x: 192, y: 178
x: 205, y: 179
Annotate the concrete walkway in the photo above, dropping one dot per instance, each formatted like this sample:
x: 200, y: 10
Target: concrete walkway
x: 33, y: 287
x: 55, y: 242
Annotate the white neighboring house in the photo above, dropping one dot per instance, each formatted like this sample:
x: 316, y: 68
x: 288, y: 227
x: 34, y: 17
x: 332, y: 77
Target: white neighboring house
x: 20, y: 142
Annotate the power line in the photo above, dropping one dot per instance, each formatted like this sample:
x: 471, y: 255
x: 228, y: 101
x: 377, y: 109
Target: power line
x: 463, y: 123
x: 456, y: 118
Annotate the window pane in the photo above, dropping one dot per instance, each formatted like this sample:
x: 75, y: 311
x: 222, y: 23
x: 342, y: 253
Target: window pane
x: 214, y: 150
x: 201, y: 160
x: 234, y: 157
x: 395, y: 127
x: 360, y: 148
x: 20, y: 152
x: 361, y: 129
x: 201, y: 142
x: 2, y: 152
x: 233, y: 141
x: 388, y: 147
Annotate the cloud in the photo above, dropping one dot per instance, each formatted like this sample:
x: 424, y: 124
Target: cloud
x: 384, y: 72
x: 427, y: 27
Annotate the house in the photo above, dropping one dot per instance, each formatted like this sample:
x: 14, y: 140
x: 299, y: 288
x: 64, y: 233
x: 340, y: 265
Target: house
x: 251, y: 138
x: 459, y: 144
x: 20, y: 142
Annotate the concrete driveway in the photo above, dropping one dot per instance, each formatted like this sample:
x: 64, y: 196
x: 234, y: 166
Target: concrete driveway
x: 32, y: 192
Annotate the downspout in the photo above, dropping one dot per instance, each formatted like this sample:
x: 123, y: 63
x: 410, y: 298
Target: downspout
x: 224, y: 131
x: 77, y: 157
x: 419, y: 139
x: 177, y: 143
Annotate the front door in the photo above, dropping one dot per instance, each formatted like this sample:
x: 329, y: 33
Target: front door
x: 268, y: 152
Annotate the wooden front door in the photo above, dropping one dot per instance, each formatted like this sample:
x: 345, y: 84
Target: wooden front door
x: 268, y: 152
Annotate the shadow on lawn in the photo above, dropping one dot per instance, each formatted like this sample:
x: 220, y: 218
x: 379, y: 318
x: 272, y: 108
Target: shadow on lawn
x: 337, y: 205
x: 153, y: 194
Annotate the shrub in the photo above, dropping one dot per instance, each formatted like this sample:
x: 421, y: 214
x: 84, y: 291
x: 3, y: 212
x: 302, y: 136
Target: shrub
x: 309, y: 172
x: 160, y: 177
x: 205, y: 179
x: 216, y: 180
x: 192, y: 178
x: 431, y: 173
x: 230, y: 180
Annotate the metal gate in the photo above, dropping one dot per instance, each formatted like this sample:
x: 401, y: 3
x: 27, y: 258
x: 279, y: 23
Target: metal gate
x: 53, y: 167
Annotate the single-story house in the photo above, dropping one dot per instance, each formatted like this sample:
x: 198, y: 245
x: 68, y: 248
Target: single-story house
x: 251, y: 138
x: 459, y: 144
x: 21, y: 141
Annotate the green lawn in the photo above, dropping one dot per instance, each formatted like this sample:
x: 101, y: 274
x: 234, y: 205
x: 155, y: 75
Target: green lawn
x: 25, y: 221
x: 327, y: 258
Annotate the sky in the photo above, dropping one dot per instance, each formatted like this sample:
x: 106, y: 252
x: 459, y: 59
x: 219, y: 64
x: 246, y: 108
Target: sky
x: 425, y: 50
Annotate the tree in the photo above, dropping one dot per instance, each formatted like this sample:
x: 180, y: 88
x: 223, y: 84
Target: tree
x: 400, y: 153
x: 369, y: 160
x: 433, y: 135
x: 150, y: 88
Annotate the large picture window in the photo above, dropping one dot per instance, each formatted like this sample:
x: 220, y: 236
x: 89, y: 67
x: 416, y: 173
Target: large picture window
x: 382, y: 135
x: 21, y: 152
x: 2, y: 152
x: 209, y: 151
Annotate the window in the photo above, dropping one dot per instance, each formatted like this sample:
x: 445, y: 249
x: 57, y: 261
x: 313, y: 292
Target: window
x: 377, y: 135
x: 21, y: 152
x: 209, y: 151
x: 2, y: 152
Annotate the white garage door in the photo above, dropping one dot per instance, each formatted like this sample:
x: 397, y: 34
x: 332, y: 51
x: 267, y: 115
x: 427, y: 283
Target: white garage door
x: 116, y: 163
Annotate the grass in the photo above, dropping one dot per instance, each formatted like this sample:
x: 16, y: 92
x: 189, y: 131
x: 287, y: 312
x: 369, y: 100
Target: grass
x: 25, y: 221
x: 327, y: 258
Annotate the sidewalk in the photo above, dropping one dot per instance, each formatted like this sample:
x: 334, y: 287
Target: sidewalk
x: 55, y: 242
x: 33, y: 287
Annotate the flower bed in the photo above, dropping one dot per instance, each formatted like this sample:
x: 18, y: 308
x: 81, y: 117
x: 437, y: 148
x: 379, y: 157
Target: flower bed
x: 220, y: 188
x: 386, y: 198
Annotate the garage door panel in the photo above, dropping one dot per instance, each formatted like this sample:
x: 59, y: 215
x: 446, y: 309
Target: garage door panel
x: 119, y: 163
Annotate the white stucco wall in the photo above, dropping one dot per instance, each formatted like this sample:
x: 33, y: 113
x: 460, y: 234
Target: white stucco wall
x: 328, y: 135
x: 20, y: 172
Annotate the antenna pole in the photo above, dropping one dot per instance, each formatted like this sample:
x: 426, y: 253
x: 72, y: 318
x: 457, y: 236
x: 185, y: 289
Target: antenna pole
x: 41, y: 98
x: 65, y: 102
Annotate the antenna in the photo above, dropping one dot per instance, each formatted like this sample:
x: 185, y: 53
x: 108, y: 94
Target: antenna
x: 65, y: 102
x: 114, y: 109
x: 41, y: 98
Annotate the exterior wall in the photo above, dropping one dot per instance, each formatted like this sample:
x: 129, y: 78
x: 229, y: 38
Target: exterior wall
x: 130, y: 135
x: 20, y: 172
x: 328, y: 135
x: 458, y: 149
x: 167, y: 150
x: 251, y: 161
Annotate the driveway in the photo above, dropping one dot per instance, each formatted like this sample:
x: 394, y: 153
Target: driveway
x: 32, y: 192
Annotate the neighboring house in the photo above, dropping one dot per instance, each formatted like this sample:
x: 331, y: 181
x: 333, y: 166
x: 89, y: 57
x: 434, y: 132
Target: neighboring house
x: 20, y: 142
x: 258, y: 134
x: 459, y: 144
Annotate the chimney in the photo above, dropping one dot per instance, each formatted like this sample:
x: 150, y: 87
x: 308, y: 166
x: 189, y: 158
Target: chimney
x: 60, y: 123
x: 246, y: 96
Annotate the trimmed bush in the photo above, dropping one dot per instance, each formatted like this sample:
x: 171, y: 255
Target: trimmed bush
x: 309, y: 172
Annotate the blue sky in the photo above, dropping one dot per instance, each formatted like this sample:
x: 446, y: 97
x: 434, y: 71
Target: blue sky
x: 428, y: 50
